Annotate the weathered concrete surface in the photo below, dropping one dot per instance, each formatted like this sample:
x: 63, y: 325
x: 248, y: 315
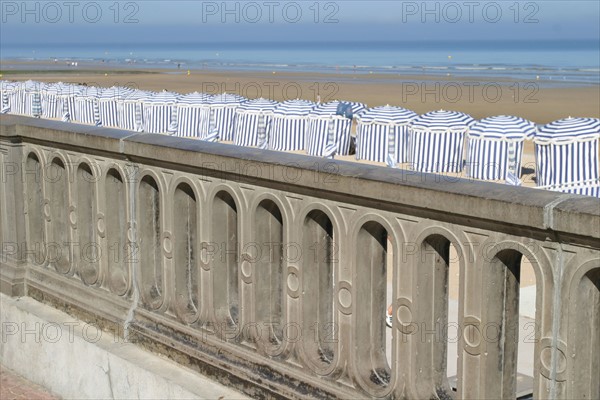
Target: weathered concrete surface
x: 77, y: 361
x: 454, y: 199
x: 195, y: 213
x: 423, y: 194
x: 76, y: 135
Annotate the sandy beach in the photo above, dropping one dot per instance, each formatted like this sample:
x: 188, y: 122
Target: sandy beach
x: 537, y: 101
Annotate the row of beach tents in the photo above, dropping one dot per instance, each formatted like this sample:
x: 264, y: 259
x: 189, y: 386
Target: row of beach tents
x: 566, y: 151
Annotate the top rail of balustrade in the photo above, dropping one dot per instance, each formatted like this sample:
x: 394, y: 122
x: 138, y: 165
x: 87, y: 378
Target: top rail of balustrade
x: 523, y: 211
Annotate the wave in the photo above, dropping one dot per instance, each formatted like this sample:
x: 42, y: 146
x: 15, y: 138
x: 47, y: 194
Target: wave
x: 588, y: 74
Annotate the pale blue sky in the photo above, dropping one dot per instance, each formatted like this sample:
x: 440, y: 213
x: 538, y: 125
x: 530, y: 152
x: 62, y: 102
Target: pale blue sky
x: 193, y: 21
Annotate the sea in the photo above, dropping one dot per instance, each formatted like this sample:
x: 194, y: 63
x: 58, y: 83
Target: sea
x: 552, y: 62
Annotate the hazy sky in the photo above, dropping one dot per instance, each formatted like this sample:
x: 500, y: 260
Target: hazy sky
x: 210, y: 21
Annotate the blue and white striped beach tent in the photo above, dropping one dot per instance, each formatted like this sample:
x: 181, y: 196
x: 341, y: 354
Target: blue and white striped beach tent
x: 495, y: 148
x: 437, y: 141
x: 194, y: 115
x: 109, y: 102
x: 382, y: 134
x: 4, y: 104
x: 7, y: 90
x: 160, y: 113
x: 16, y: 97
x: 328, y: 133
x: 252, y: 123
x: 566, y: 154
x: 131, y: 110
x: 30, y: 102
x: 289, y: 125
x: 50, y: 102
x: 222, y: 115
x: 34, y: 99
x: 67, y: 100
x: 87, y: 109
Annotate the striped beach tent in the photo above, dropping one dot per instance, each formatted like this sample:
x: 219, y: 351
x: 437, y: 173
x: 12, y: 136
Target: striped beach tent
x: 328, y: 132
x: 67, y: 100
x: 33, y: 99
x: 382, y: 134
x: 131, y: 110
x: 87, y: 109
x: 222, y: 109
x: 109, y: 102
x: 213, y: 133
x: 437, y: 141
x: 7, y: 89
x: 194, y: 115
x: 495, y: 148
x: 160, y: 113
x: 17, y: 99
x: 36, y: 104
x: 29, y: 102
x: 4, y: 105
x: 253, y: 120
x: 289, y: 125
x: 50, y: 102
x: 15, y: 94
x: 566, y: 154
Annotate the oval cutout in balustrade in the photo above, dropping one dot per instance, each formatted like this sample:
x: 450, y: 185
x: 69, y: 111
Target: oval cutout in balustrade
x: 120, y: 251
x: 149, y: 241
x: 584, y: 334
x: 186, y: 252
x: 59, y: 254
x: 269, y: 273
x: 430, y: 315
x: 510, y: 325
x: 528, y: 328
x: 320, y: 328
x: 36, y: 243
x: 88, y: 251
x: 451, y: 332
x: 224, y: 260
x: 370, y: 287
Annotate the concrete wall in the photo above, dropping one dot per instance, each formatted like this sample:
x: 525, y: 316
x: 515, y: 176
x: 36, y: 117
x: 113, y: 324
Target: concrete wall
x: 77, y: 360
x: 268, y: 271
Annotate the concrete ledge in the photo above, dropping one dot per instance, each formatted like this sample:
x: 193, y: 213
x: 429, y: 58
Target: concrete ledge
x: 12, y: 278
x: 7, y: 128
x: 584, y: 213
x: 77, y: 361
x: 79, y: 136
x: 460, y: 201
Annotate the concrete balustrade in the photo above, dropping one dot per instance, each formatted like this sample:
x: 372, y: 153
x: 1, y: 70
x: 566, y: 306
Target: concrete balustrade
x: 268, y: 271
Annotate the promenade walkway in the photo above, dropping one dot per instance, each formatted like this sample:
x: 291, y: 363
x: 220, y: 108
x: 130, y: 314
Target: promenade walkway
x: 15, y: 387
